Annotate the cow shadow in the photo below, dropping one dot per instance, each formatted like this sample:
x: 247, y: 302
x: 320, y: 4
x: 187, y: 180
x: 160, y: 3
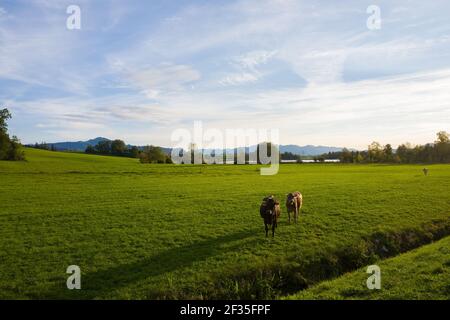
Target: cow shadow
x: 98, y: 283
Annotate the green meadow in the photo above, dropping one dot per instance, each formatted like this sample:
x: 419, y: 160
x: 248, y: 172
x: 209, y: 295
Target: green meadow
x: 144, y: 231
x: 423, y: 273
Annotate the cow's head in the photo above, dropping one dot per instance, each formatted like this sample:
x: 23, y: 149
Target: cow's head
x: 291, y: 199
x: 269, y: 204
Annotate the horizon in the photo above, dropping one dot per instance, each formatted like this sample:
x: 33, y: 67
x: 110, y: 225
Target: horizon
x: 226, y: 148
x: 139, y: 71
x: 150, y: 144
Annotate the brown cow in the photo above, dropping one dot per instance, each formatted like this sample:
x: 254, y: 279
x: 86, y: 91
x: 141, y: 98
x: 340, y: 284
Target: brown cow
x: 294, y: 201
x: 270, y: 211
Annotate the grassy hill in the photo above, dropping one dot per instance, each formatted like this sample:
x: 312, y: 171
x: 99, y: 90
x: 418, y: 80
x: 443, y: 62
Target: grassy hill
x: 167, y: 231
x: 423, y: 273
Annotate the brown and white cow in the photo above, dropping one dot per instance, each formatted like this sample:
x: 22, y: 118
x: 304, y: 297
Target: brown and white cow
x: 294, y: 201
x: 270, y: 211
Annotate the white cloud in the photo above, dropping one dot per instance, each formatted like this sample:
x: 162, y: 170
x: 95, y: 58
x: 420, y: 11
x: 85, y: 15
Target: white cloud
x: 166, y: 77
x: 317, y: 66
x: 148, y: 78
x: 40, y: 56
x: 247, y: 67
x: 71, y: 125
x: 240, y: 78
x: 154, y: 80
x: 393, y: 110
x: 253, y: 59
x: 3, y: 13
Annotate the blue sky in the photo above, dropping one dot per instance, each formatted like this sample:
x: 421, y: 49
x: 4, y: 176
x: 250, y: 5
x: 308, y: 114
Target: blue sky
x: 138, y: 70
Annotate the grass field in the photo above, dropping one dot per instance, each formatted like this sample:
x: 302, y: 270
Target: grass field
x: 423, y: 273
x: 166, y: 231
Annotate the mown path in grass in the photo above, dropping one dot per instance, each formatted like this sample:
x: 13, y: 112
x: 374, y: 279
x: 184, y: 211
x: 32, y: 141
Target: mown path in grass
x: 166, y: 231
x: 423, y: 273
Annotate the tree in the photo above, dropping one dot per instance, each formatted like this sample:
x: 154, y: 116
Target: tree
x: 118, y: 147
x: 442, y: 147
x: 103, y: 147
x: 5, y: 142
x: 346, y: 156
x: 169, y: 160
x: 403, y: 153
x: 4, y: 145
x: 388, y: 153
x: 152, y: 154
x: 375, y: 152
x: 10, y: 149
x: 5, y: 115
x: 442, y: 137
x: 43, y: 146
x: 289, y: 156
x: 358, y: 157
x: 90, y: 149
x: 134, y: 152
x: 15, y: 150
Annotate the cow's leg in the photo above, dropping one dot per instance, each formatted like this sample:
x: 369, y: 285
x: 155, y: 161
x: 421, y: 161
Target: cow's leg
x: 267, y: 229
x: 289, y: 216
x: 274, y: 225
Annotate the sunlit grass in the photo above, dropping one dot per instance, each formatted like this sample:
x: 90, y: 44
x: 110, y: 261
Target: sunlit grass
x: 423, y: 273
x: 162, y: 231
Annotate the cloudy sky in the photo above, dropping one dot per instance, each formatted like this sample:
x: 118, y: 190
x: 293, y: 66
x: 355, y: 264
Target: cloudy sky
x: 138, y: 70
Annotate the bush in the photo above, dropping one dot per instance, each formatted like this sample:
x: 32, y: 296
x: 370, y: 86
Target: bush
x: 152, y: 154
x: 10, y: 149
x: 15, y: 151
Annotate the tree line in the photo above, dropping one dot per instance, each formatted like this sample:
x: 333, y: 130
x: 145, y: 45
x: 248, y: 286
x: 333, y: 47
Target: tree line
x: 148, y: 154
x: 290, y: 156
x: 113, y: 148
x: 437, y: 152
x: 43, y: 146
x: 10, y: 147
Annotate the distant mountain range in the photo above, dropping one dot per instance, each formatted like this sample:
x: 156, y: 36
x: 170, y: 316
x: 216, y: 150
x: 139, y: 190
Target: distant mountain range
x: 308, y: 150
x: 77, y: 145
